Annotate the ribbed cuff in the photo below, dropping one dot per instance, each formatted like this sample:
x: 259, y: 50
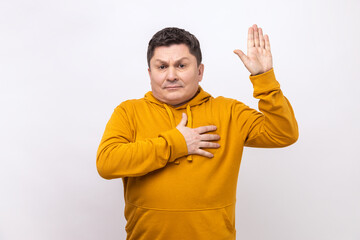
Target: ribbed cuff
x: 264, y: 82
x: 176, y: 142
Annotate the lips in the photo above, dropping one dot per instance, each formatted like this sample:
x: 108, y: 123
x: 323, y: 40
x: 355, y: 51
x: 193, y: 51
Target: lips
x: 173, y: 87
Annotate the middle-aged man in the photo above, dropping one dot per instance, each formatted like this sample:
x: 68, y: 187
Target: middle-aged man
x: 178, y: 149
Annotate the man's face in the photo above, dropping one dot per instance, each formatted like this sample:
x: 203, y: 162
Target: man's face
x: 174, y: 74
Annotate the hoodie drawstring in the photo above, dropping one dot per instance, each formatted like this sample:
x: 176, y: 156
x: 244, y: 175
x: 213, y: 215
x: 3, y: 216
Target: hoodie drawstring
x: 172, y: 121
x: 188, y: 111
x: 171, y: 116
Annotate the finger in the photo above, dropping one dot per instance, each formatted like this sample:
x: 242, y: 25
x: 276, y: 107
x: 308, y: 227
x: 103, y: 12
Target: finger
x: 256, y: 36
x: 204, y: 153
x: 267, y: 43
x: 261, y: 37
x: 208, y: 145
x: 209, y: 137
x: 241, y: 55
x: 204, y: 129
x: 183, y: 120
x: 250, y: 42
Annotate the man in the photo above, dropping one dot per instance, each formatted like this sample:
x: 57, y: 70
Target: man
x: 178, y: 149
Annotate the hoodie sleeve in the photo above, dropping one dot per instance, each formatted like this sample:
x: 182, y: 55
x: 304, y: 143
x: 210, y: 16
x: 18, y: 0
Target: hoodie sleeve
x: 119, y: 155
x: 275, y: 125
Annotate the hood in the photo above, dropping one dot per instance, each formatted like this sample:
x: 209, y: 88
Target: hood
x: 200, y: 97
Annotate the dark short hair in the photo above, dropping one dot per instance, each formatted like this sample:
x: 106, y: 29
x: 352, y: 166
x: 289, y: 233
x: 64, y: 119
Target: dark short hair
x: 173, y: 35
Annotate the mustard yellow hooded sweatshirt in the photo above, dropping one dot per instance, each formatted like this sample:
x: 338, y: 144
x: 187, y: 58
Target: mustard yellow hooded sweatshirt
x: 170, y: 195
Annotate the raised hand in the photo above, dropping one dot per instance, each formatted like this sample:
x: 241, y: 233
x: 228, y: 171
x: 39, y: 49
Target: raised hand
x: 258, y: 59
x: 196, y: 139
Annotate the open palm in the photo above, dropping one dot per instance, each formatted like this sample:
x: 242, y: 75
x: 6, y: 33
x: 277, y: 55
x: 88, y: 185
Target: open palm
x: 258, y: 59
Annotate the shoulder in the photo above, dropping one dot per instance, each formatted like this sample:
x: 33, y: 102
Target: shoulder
x: 130, y: 104
x: 228, y: 106
x: 226, y: 102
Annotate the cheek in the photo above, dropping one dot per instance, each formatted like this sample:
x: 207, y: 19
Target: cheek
x: 190, y: 78
x: 156, y: 81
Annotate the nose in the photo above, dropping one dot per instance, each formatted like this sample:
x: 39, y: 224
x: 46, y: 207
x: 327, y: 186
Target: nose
x: 171, y: 75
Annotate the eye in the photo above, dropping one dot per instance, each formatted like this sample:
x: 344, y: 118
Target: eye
x: 162, y: 67
x: 181, y: 66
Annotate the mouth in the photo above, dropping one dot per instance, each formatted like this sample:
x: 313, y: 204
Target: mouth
x: 173, y: 87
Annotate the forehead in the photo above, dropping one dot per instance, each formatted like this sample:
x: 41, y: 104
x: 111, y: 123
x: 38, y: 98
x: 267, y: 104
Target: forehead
x: 172, y: 52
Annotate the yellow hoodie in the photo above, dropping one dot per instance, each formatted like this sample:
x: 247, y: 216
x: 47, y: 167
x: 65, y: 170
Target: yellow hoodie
x: 170, y: 195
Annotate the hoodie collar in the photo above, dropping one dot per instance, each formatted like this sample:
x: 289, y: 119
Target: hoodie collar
x: 200, y: 97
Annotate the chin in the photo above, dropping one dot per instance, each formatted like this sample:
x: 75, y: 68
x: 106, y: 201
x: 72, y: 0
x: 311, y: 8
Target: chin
x: 174, y: 100
x: 175, y: 97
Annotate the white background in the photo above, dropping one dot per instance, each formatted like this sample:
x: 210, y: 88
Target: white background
x: 65, y: 65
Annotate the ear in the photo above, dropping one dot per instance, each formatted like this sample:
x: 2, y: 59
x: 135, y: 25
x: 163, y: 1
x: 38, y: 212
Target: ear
x: 200, y: 72
x: 149, y: 71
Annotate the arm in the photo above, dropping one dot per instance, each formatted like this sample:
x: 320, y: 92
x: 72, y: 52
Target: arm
x: 275, y: 125
x: 119, y: 155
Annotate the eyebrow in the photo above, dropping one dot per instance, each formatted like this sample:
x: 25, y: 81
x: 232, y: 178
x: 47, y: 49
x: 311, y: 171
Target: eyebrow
x: 179, y: 60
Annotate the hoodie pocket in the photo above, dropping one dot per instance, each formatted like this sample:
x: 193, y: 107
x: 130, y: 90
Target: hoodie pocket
x: 210, y: 224
x: 229, y: 213
x: 133, y: 212
x: 219, y: 221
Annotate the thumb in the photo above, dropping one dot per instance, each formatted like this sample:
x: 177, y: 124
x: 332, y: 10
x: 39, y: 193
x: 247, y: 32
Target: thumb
x: 241, y: 55
x: 183, y: 120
